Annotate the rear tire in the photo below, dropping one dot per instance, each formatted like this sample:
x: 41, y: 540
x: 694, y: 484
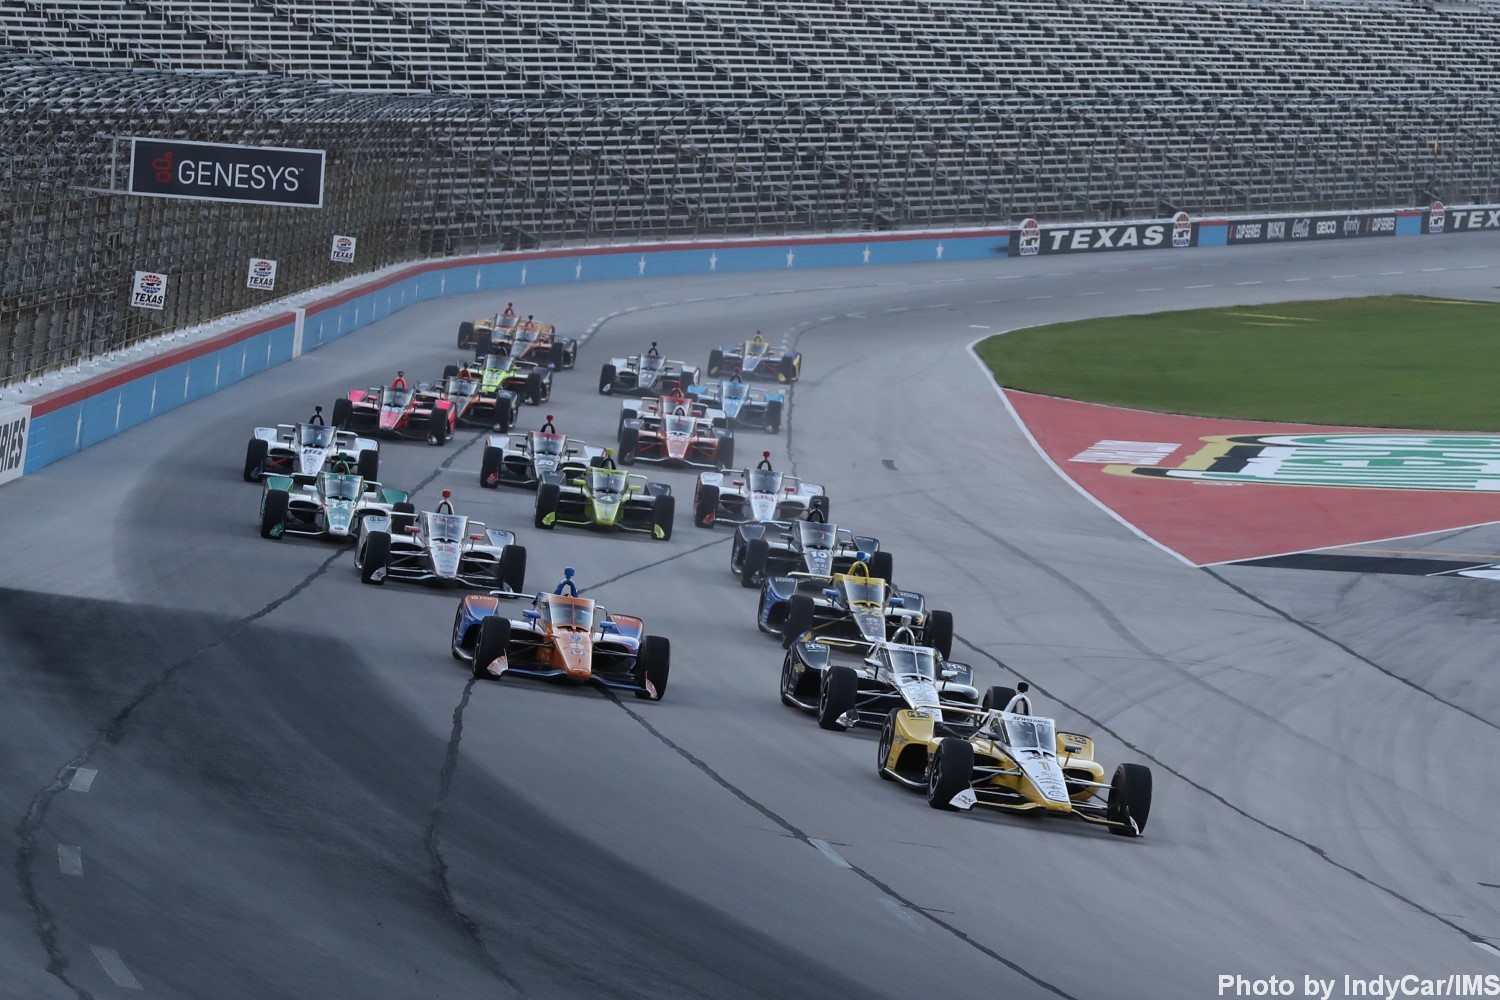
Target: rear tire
x: 534, y: 388
x: 950, y: 772
x: 773, y: 416
x: 715, y: 362
x: 607, y: 380
x: 505, y: 414
x: 369, y: 465
x: 450, y: 370
x: 799, y: 619
x: 547, y: 496
x: 820, y: 504
x: 757, y: 554
x: 493, y: 643
x: 343, y: 409
x: 403, y: 516
x: 881, y: 565
x: 836, y: 696
x: 273, y: 511
x: 489, y: 467
x: 437, y: 427
x: 653, y: 663
x: 510, y: 573
x: 375, y: 555
x: 465, y: 335
x: 663, y: 512
x: 705, y: 506
x: 725, y: 457
x: 1130, y: 798
x: 255, y: 459
x: 939, y: 632
x: 997, y: 698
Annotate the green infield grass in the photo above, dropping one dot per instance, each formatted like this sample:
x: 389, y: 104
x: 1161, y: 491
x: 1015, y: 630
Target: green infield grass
x: 1386, y: 361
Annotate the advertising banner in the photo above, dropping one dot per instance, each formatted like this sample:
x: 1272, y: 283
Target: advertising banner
x: 262, y: 274
x: 212, y: 171
x: 15, y: 424
x: 1030, y: 239
x: 1462, y: 220
x: 343, y: 249
x: 1297, y: 228
x: 149, y: 290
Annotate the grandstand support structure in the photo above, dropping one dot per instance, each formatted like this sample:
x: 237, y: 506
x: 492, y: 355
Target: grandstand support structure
x: 435, y: 174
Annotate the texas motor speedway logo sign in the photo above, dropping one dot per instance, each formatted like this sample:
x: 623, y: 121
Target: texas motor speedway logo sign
x: 1030, y: 239
x: 1374, y: 461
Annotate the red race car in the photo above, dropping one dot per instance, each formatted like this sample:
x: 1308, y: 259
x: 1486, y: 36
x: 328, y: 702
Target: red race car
x: 671, y: 432
x: 394, y: 411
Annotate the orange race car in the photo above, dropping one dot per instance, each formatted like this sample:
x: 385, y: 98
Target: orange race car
x: 561, y: 637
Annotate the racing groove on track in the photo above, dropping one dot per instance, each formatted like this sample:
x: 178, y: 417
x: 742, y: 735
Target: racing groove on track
x: 325, y: 805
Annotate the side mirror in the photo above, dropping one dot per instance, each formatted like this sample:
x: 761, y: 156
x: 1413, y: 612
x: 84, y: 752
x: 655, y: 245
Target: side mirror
x: 830, y: 593
x: 897, y: 602
x: 1072, y: 748
x: 949, y: 673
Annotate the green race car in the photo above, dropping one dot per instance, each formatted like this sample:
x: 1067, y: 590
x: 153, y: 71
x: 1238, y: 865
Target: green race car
x: 605, y: 498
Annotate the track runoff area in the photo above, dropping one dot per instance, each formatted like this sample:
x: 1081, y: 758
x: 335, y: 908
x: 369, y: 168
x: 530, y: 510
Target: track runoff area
x: 237, y: 770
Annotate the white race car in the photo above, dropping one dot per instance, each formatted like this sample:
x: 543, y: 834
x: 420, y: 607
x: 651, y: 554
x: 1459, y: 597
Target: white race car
x: 440, y: 547
x: 328, y: 505
x: 523, y: 459
x: 307, y: 449
x: 753, y: 496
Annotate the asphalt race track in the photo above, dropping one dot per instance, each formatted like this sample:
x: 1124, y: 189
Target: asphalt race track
x: 233, y: 771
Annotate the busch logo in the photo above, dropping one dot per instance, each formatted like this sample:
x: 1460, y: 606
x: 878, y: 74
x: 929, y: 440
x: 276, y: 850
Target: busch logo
x: 1436, y: 216
x: 1182, y: 230
x: 1276, y: 230
x: 149, y: 290
x: 1301, y: 228
x: 1031, y: 238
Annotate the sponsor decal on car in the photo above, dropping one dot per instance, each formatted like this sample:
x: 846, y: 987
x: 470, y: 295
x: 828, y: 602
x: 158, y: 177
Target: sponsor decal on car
x: 1374, y: 460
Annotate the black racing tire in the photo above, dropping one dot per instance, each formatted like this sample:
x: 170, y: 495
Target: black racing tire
x: 493, y: 643
x: 791, y: 367
x: 887, y: 740
x: 1130, y: 798
x: 375, y: 555
x: 458, y: 616
x: 997, y: 697
x: 725, y: 458
x: 403, y: 516
x: 273, y: 510
x: 951, y: 771
x: 787, y: 684
x: 450, y: 370
x: 821, y: 504
x: 255, y: 459
x: 653, y: 663
x: 559, y: 356
x: 881, y: 565
x: 715, y: 362
x: 836, y: 695
x: 505, y: 415
x: 547, y: 496
x: 773, y: 416
x: 597, y: 461
x: 607, y: 380
x: 686, y: 381
x: 489, y: 467
x: 630, y: 443
x: 757, y: 554
x: 663, y: 513
x: 465, y: 334
x: 705, y: 506
x: 343, y: 409
x: 799, y: 618
x: 368, y: 465
x: 510, y: 571
x: 938, y: 632
x: 437, y: 427
x: 534, y: 388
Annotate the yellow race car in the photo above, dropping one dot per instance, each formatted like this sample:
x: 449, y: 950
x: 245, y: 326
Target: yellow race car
x: 965, y: 757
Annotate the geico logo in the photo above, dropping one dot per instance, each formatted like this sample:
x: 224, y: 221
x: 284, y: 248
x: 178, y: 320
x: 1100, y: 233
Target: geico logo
x: 249, y: 176
x: 1247, y: 232
x: 1382, y: 225
x: 1327, y: 228
x: 1477, y: 219
x: 12, y: 444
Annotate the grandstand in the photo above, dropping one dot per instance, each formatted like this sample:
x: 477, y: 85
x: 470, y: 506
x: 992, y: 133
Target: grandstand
x: 484, y: 124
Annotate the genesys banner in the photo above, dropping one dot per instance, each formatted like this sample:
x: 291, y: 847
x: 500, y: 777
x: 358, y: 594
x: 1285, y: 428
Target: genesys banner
x: 1468, y: 219
x: 1298, y: 228
x: 215, y: 171
x: 1030, y: 238
x: 15, y: 425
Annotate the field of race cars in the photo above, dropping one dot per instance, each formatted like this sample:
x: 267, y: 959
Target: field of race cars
x: 484, y: 715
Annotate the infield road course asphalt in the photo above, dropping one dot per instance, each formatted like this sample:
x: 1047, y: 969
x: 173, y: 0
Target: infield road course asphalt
x: 233, y: 771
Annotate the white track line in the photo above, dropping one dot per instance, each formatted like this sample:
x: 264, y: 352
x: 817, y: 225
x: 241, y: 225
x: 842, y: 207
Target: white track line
x: 901, y: 914
x: 828, y: 852
x: 999, y: 391
x: 1486, y: 946
x: 115, y: 968
x: 82, y: 779
x: 70, y: 859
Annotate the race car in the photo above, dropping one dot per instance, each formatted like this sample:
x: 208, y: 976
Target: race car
x: 647, y: 374
x: 750, y: 496
x: 326, y: 505
x: 475, y: 408
x: 477, y: 333
x: 849, y: 605
x: 441, y: 547
x: 605, y: 498
x: 307, y: 449
x: 523, y: 459
x: 675, y: 437
x: 742, y: 404
x: 531, y: 341
x: 814, y: 547
x: 531, y: 382
x: 857, y: 683
x: 990, y: 757
x: 391, y: 411
x: 656, y: 406
x: 755, y: 358
x: 561, y: 637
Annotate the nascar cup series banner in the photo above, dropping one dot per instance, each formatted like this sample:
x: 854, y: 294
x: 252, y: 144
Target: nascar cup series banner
x: 1030, y: 238
x: 15, y: 423
x: 212, y: 171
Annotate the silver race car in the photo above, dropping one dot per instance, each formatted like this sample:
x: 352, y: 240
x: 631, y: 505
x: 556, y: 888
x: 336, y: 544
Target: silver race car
x: 647, y: 374
x: 523, y: 459
x: 327, y: 505
x: 307, y: 449
x: 856, y: 683
x: 441, y: 547
x: 752, y: 496
x: 743, y: 405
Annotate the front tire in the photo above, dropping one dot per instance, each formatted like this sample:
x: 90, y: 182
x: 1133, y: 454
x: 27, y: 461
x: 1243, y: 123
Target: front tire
x: 489, y: 467
x: 950, y: 772
x: 653, y: 663
x: 799, y: 619
x: 255, y: 459
x: 607, y: 380
x: 493, y: 643
x: 630, y: 443
x: 836, y: 695
x: 757, y: 554
x: 510, y: 571
x: 1130, y: 799
x: 705, y: 506
x: 376, y: 555
x: 273, y: 511
x: 547, y: 496
x: 437, y: 427
x: 663, y: 512
x: 887, y: 740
